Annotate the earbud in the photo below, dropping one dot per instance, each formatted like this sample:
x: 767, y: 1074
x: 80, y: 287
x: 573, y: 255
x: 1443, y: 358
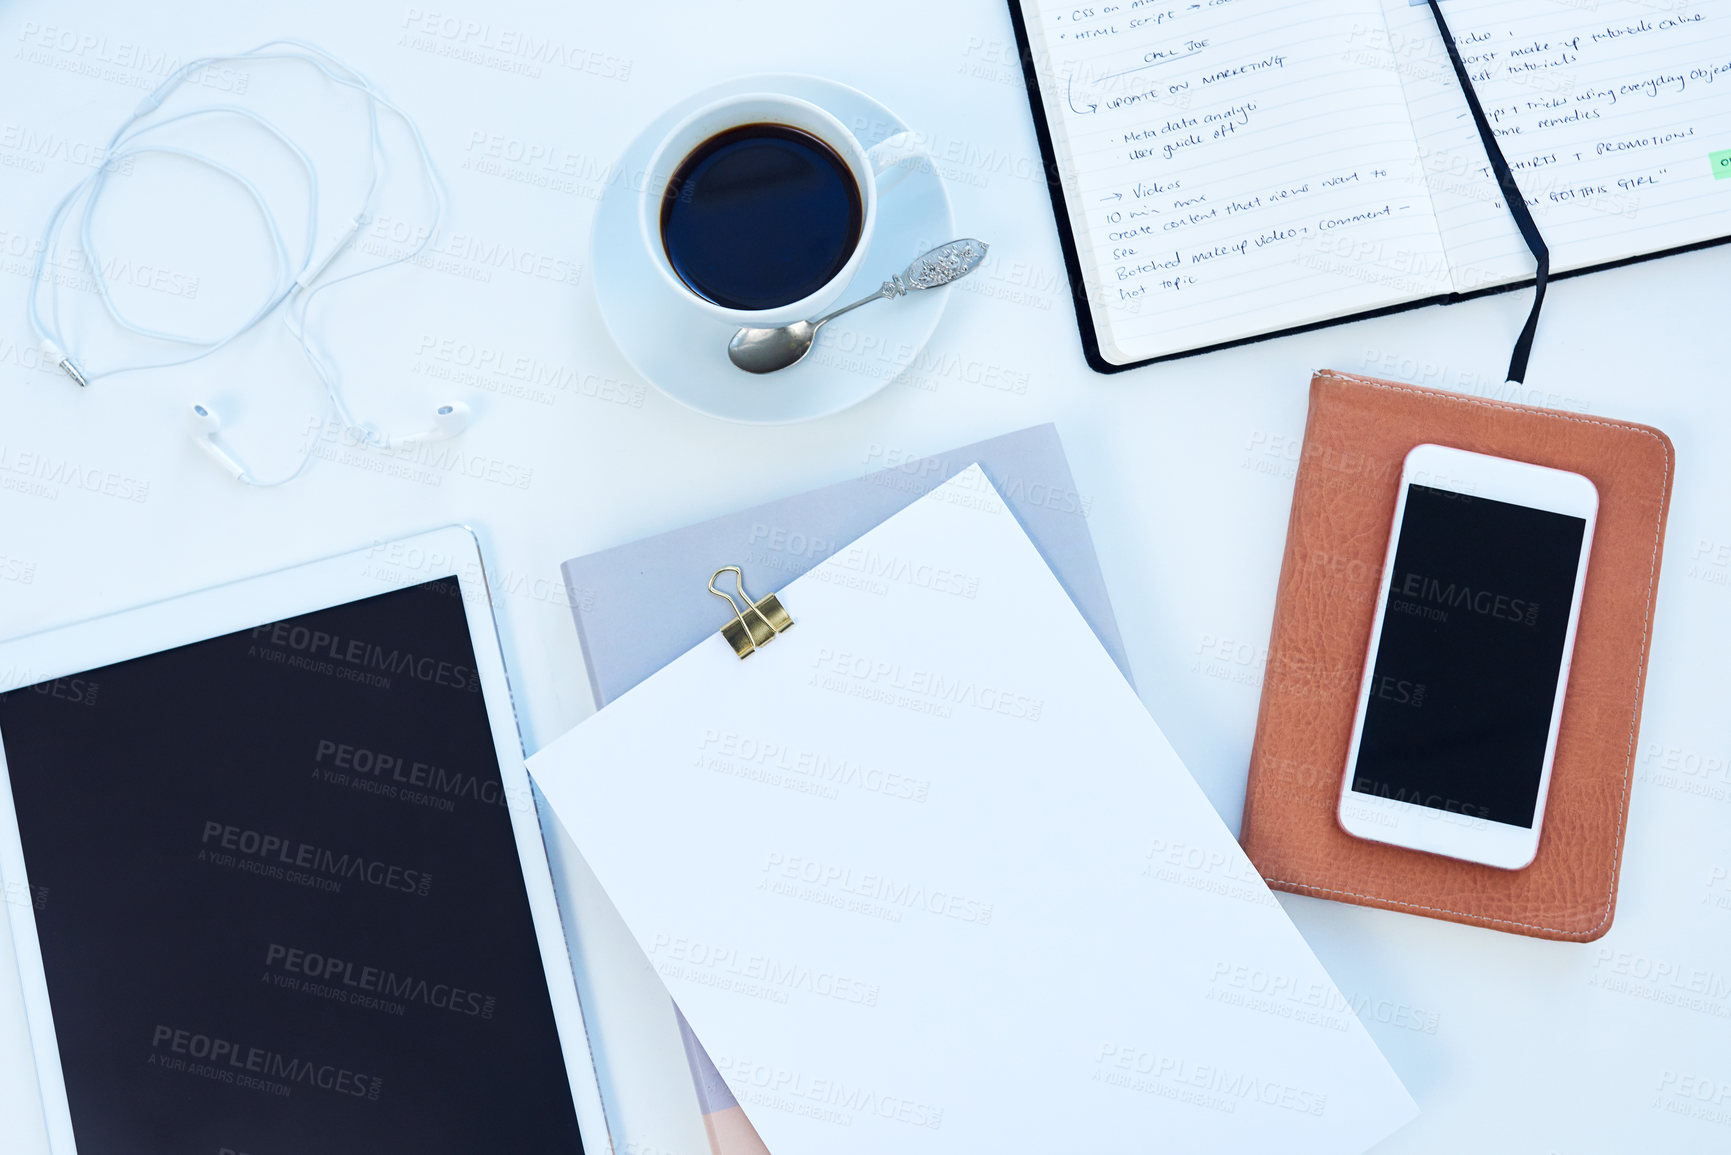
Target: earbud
x: 205, y: 426
x: 449, y: 420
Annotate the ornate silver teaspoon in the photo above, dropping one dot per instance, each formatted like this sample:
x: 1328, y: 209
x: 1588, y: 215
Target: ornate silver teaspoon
x: 766, y: 350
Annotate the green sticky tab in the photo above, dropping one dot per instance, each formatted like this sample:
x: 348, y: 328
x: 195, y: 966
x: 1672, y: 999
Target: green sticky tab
x: 1721, y: 162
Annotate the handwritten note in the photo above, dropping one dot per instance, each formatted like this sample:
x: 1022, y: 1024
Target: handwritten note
x: 1233, y: 166
x: 1608, y: 112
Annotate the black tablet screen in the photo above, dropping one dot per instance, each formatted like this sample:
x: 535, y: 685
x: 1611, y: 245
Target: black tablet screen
x: 279, y: 901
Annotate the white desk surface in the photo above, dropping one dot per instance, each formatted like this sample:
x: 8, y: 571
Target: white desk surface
x: 1508, y: 1044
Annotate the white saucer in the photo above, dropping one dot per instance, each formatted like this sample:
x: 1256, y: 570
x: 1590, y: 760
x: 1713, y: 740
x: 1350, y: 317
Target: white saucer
x: 682, y: 350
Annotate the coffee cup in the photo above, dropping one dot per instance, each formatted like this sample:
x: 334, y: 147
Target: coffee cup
x: 754, y: 198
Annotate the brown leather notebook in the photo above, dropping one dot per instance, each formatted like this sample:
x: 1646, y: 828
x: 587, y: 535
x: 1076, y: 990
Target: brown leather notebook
x: 1357, y: 435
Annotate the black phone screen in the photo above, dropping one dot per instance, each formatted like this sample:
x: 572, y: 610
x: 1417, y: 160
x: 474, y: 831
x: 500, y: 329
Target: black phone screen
x: 279, y: 900
x: 1466, y: 667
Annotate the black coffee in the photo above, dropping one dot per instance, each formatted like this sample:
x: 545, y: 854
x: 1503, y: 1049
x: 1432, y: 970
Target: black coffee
x: 760, y: 216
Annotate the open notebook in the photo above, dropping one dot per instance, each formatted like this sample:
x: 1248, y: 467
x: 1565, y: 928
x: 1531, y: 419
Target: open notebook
x: 1234, y: 169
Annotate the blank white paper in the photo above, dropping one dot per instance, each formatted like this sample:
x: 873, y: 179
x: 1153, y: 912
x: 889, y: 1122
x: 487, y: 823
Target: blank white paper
x: 924, y: 876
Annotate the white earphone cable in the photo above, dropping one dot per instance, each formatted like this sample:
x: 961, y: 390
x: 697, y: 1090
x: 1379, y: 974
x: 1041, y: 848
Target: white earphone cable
x: 297, y: 283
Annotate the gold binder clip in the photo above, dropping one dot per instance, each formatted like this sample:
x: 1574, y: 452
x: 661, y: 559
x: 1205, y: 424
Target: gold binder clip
x: 767, y: 618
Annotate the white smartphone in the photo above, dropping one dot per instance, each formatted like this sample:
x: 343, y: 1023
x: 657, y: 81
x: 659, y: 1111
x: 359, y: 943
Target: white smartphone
x: 1469, y: 655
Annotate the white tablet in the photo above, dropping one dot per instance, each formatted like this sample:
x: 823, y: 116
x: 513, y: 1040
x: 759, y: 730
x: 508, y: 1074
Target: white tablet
x: 275, y: 878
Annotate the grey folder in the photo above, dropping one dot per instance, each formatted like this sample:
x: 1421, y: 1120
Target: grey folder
x: 641, y: 605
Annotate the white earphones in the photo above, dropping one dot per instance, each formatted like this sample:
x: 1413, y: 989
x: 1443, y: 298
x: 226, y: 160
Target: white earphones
x: 294, y: 290
x: 449, y: 420
x: 205, y: 426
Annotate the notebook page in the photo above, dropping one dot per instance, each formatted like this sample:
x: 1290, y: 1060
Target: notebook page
x: 1609, y: 112
x: 1233, y: 167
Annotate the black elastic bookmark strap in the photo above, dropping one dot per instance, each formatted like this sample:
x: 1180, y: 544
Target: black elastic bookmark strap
x: 1511, y: 196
